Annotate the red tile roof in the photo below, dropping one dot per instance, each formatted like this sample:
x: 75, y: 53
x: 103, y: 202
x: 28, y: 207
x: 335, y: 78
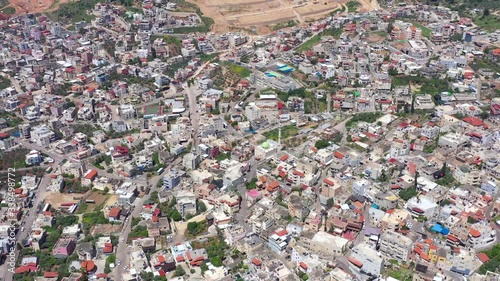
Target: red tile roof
x: 298, y: 173
x: 329, y: 182
x: 474, y: 232
x: 281, y: 232
x: 303, y: 265
x: 474, y: 121
x: 256, y: 262
x: 114, y: 212
x: 50, y: 274
x: 338, y: 155
x: 355, y: 262
x: 483, y: 257
x: 91, y: 174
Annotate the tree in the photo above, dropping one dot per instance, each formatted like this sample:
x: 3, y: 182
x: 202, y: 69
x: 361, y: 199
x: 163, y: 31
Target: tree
x: 390, y: 27
x: 484, y: 115
x: 444, y: 168
x: 383, y: 176
x: 486, y: 12
x: 408, y: 193
x: 179, y: 271
x: 203, y: 267
x: 201, y: 206
x: 321, y: 144
x: 412, y: 109
x: 216, y: 261
x: 174, y: 214
x: 393, y: 71
x: 329, y: 202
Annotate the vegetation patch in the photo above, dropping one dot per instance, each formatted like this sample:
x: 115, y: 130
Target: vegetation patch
x: 4, y: 82
x: 368, y: 117
x: 352, y: 6
x: 239, y: 70
x: 75, y: 11
x: 8, y: 11
x: 426, y: 32
x: 493, y: 264
x: 285, y: 24
x: 286, y: 132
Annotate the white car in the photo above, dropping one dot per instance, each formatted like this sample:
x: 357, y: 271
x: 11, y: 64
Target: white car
x: 122, y: 240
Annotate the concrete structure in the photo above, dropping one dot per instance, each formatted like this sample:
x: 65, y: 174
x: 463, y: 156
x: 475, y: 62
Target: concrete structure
x: 395, y: 245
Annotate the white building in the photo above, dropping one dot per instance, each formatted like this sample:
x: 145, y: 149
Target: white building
x: 266, y: 149
x: 42, y: 135
x: 421, y: 206
x: 395, y: 245
x: 365, y: 261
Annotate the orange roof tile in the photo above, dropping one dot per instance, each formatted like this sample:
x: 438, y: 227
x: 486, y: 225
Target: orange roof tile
x: 474, y: 232
x: 355, y: 262
x: 338, y: 155
x: 256, y: 262
x: 328, y: 181
x: 303, y: 265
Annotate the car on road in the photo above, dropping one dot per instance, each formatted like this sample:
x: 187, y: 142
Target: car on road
x: 22, y: 229
x: 122, y: 240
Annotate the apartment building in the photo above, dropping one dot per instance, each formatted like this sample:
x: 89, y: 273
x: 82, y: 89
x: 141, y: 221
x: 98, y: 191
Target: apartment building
x: 395, y: 245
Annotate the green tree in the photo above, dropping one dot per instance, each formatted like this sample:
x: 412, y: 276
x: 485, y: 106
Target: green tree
x: 393, y: 71
x: 484, y: 115
x: 329, y: 203
x: 321, y: 144
x: 390, y: 27
x: 179, y: 271
x: 486, y: 12
x: 408, y: 193
x: 201, y: 206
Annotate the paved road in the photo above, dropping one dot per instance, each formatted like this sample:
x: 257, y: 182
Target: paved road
x: 193, y: 113
x: 31, y: 214
x: 122, y: 249
x: 14, y: 83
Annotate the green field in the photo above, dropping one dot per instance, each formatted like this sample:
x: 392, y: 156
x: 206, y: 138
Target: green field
x: 152, y: 109
x: 426, y: 32
x: 238, y: 69
x: 308, y: 45
x: 489, y: 23
x: 286, y: 132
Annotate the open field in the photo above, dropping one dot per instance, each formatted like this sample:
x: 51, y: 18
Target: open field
x: 217, y: 3
x: 35, y: 6
x: 265, y: 17
x: 316, y: 10
x: 56, y: 199
x: 257, y: 14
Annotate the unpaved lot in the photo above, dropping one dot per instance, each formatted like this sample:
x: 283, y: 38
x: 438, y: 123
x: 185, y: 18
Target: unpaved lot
x: 35, y: 6
x: 230, y: 14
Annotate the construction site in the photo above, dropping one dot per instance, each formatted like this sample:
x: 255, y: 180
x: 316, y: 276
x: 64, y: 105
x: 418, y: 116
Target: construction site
x: 259, y: 15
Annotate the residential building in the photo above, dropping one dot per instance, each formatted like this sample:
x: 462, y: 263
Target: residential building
x: 63, y: 248
x: 395, y: 245
x: 172, y: 178
x: 365, y: 261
